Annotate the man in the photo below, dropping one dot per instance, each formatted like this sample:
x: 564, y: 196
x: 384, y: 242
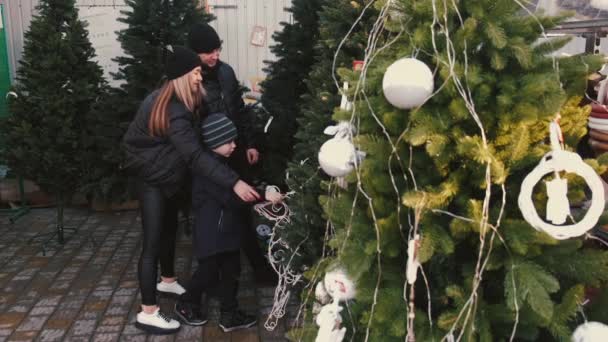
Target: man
x: 224, y: 95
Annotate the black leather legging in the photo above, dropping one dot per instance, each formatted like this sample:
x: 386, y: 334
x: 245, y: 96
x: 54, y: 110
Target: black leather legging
x: 159, y: 222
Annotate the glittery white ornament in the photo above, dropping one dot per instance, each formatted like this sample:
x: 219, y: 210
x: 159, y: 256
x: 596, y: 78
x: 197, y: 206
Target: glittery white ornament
x: 407, y: 83
x: 339, y: 286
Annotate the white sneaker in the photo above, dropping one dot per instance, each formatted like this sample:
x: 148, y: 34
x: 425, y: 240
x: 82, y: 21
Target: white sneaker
x: 173, y: 287
x: 156, y: 323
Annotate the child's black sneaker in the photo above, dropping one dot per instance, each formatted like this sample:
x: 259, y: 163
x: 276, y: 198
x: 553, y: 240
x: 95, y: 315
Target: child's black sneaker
x: 189, y: 314
x: 237, y: 319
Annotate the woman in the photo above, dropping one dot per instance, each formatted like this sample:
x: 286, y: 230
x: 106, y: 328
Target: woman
x: 162, y: 148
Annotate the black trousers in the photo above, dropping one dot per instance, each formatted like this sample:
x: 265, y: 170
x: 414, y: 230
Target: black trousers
x: 159, y: 222
x: 220, y: 271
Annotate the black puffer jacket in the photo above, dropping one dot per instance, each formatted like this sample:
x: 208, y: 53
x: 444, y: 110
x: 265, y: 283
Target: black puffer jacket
x: 166, y: 161
x: 224, y: 95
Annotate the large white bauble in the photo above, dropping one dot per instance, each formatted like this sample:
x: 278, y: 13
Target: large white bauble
x: 337, y: 156
x: 407, y: 83
x: 600, y: 4
x: 590, y: 332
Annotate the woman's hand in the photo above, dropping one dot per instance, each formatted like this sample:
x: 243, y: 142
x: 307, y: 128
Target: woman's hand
x: 245, y: 191
x: 252, y: 156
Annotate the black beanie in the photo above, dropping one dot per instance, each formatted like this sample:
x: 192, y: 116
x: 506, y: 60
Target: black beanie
x: 218, y: 130
x: 180, y: 61
x: 202, y: 38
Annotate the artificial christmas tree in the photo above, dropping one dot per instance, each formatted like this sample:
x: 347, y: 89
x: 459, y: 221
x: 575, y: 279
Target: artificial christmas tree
x: 449, y: 173
x: 152, y: 25
x: 285, y: 84
x: 57, y: 84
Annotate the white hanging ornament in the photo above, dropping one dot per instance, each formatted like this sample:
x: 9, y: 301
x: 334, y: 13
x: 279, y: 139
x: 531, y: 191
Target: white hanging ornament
x: 600, y: 4
x: 590, y: 332
x: 329, y: 320
x: 557, y: 206
x: 340, y: 288
x: 344, y: 103
x: 338, y: 156
x: 407, y: 83
x: 412, y: 259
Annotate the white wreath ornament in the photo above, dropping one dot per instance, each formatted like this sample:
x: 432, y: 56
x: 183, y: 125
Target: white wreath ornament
x: 555, y: 161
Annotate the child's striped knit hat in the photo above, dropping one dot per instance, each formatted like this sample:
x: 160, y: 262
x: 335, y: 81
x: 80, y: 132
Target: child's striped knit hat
x: 218, y: 130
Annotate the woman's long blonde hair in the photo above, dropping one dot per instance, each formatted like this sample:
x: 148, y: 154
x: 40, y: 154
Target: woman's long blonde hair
x: 182, y: 89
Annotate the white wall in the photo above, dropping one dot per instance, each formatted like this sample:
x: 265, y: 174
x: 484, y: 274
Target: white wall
x: 102, y: 28
x: 235, y: 22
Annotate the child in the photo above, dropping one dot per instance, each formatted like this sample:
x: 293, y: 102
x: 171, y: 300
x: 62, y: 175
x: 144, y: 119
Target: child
x: 217, y: 232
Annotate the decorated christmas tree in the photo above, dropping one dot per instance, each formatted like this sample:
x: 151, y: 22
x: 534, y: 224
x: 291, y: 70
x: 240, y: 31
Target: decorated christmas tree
x: 57, y: 83
x: 285, y: 84
x: 453, y: 110
x: 306, y: 232
x: 151, y: 26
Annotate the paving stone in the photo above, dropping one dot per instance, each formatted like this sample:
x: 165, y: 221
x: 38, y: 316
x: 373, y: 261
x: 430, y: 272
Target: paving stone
x: 161, y: 338
x: 42, y: 310
x: 121, y: 300
x: 32, y: 323
x: 247, y: 335
x: 51, y: 335
x: 106, y: 337
x: 78, y: 339
x: 130, y: 329
x: 118, y: 310
x: 188, y: 332
x: 133, y: 338
x: 58, y: 323
x: 126, y: 291
x: 23, y: 336
x: 215, y: 334
x: 82, y: 327
x: 65, y: 314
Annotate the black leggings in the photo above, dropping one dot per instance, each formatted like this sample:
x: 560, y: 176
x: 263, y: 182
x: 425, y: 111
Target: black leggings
x: 159, y: 222
x: 219, y: 271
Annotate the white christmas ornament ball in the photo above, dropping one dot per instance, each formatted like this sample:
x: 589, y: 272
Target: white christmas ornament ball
x: 337, y: 156
x: 407, y: 83
x: 591, y: 332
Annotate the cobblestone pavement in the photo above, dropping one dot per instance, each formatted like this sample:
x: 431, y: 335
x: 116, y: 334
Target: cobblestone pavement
x: 86, y: 290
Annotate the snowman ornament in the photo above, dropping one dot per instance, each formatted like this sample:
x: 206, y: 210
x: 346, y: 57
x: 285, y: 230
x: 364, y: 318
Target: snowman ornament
x: 336, y: 287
